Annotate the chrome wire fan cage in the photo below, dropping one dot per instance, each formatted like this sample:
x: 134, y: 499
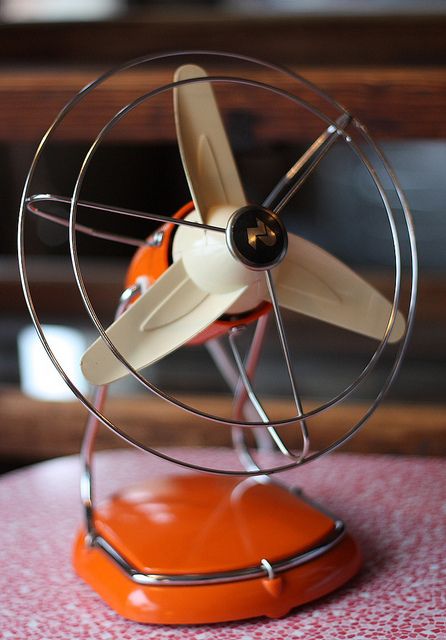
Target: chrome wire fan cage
x: 249, y: 414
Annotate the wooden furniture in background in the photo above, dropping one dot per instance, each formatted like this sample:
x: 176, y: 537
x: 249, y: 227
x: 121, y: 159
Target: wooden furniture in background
x: 390, y: 71
x: 36, y: 430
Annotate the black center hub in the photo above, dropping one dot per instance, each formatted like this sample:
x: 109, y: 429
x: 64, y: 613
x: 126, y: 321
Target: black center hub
x: 256, y: 237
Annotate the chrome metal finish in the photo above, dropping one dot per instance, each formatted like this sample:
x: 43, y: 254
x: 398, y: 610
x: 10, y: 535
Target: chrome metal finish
x: 252, y: 360
x: 266, y: 565
x: 229, y: 373
x: 248, y: 573
x: 87, y: 302
x: 91, y: 430
x: 289, y: 366
x: 263, y: 439
x: 235, y: 331
x: 242, y: 406
x: 356, y: 142
x: 86, y: 457
x: 258, y: 247
x: 81, y: 228
x: 96, y: 206
x: 295, y: 176
x: 253, y: 397
x: 298, y: 492
x: 156, y: 239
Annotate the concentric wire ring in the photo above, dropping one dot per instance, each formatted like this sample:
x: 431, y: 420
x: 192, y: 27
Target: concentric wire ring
x: 87, y: 303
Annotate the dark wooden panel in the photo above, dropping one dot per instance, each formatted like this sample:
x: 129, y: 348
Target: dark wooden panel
x: 33, y: 430
x: 393, y: 103
x: 304, y: 40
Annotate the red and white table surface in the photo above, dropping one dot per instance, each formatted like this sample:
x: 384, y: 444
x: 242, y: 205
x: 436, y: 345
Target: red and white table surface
x: 394, y: 506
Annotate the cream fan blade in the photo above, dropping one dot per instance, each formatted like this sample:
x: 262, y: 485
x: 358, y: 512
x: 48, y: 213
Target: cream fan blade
x: 166, y: 316
x: 207, y: 157
x: 313, y: 282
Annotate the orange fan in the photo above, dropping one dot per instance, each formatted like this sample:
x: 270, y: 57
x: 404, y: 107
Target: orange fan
x: 204, y: 546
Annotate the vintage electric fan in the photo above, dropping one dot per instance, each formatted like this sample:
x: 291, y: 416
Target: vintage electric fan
x: 205, y: 546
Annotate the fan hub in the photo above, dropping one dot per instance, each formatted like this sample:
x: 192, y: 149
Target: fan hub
x: 256, y: 237
x: 212, y: 266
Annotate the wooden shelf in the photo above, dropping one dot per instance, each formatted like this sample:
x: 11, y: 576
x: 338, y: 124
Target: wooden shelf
x: 34, y: 430
x: 388, y: 69
x: 390, y: 72
x: 316, y: 40
x: 394, y: 103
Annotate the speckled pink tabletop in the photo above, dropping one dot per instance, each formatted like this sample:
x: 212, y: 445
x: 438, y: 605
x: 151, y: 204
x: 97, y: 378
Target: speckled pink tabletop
x: 395, y: 507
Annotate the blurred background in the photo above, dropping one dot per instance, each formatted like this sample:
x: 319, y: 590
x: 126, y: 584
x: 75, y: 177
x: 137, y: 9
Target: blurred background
x: 384, y: 60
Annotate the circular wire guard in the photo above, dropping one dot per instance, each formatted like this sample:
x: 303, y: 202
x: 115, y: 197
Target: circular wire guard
x: 30, y: 202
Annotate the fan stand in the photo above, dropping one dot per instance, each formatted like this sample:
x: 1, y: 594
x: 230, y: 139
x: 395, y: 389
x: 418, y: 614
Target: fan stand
x: 199, y: 547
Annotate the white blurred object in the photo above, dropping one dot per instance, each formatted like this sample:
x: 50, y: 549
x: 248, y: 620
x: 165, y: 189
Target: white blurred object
x: 38, y: 377
x: 57, y: 11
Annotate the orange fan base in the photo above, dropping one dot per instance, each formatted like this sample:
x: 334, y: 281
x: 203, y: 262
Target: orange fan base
x: 201, y: 525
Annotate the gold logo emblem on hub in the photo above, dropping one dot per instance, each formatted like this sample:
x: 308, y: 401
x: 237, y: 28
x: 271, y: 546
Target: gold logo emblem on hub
x: 261, y: 232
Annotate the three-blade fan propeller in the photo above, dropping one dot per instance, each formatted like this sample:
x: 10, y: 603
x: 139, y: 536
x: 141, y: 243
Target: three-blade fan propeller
x: 214, y: 273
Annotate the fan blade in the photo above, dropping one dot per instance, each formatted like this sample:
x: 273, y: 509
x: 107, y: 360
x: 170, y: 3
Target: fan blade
x: 207, y: 157
x: 171, y: 312
x: 315, y: 283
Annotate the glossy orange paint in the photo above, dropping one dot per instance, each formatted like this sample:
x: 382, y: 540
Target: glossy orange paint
x: 198, y: 523
x: 151, y: 262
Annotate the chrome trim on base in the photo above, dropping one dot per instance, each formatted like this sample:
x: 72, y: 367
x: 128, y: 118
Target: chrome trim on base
x: 257, y: 571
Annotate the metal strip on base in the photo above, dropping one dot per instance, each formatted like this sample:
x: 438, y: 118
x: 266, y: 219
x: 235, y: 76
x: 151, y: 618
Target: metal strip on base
x: 218, y: 577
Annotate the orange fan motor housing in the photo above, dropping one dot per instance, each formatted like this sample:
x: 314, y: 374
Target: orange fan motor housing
x: 152, y: 261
